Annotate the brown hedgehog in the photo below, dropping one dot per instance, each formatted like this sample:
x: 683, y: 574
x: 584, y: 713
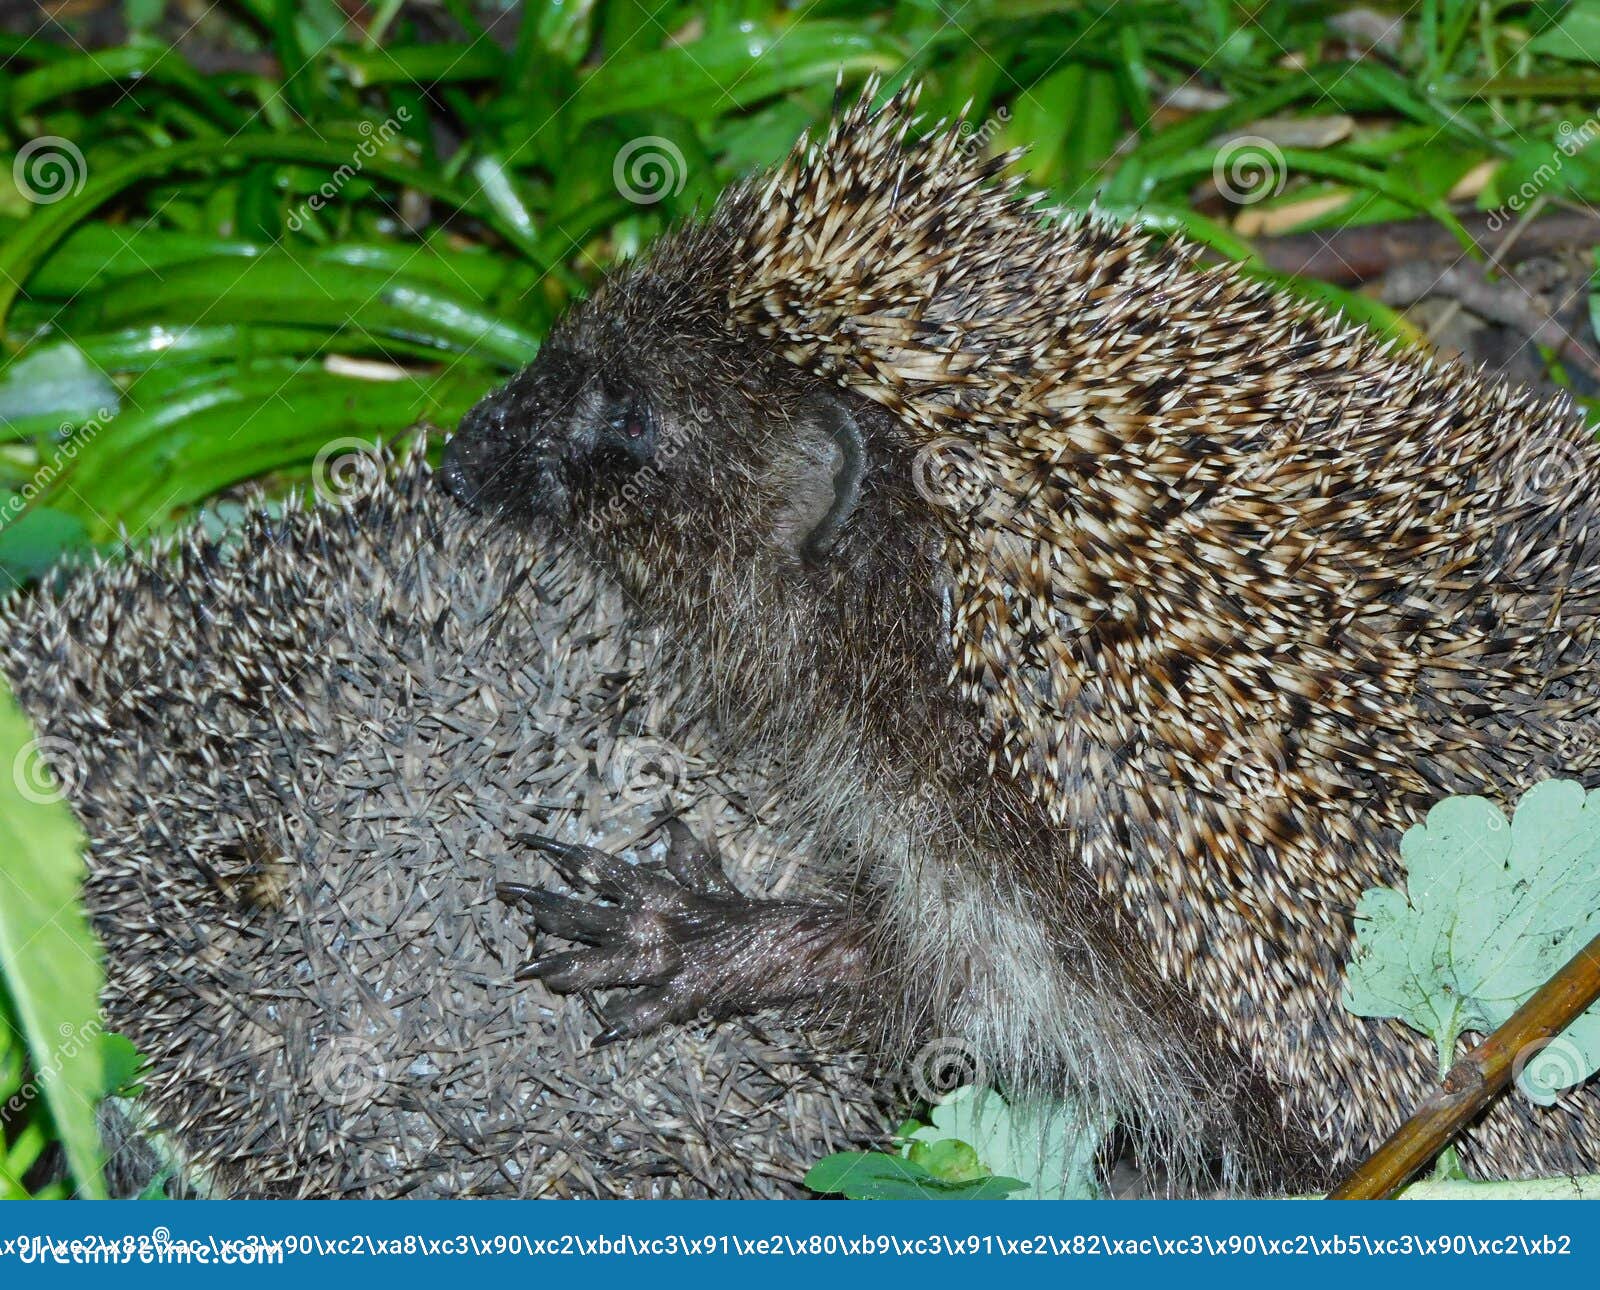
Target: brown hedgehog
x: 1118, y: 613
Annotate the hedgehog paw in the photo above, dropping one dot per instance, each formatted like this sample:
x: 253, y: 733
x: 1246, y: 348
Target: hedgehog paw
x: 686, y: 942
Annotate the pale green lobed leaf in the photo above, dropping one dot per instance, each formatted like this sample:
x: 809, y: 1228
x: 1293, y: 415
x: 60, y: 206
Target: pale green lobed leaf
x: 1492, y: 909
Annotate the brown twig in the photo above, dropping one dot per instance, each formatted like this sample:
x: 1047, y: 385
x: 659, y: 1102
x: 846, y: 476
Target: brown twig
x: 1474, y: 1080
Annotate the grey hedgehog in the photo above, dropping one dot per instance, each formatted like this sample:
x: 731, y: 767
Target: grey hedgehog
x: 297, y: 751
x: 1116, y: 613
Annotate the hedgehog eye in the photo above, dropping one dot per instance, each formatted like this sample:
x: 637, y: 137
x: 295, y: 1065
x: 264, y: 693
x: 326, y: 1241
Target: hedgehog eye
x: 629, y: 424
x: 627, y: 431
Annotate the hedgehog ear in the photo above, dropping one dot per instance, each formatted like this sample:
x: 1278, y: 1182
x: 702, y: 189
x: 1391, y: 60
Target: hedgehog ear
x: 832, y: 462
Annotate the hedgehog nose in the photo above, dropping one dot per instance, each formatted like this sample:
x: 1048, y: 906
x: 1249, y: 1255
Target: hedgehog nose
x: 462, y: 470
x: 454, y: 478
x: 456, y: 475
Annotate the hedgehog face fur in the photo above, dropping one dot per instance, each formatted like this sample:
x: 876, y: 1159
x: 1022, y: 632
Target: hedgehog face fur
x: 1210, y: 597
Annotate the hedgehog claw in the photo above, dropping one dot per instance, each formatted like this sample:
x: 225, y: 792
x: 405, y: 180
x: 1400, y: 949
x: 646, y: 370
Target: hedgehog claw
x: 607, y: 1037
x: 697, y: 944
x: 532, y: 970
x: 601, y: 969
x: 692, y: 863
x: 571, y: 920
x: 585, y: 866
x: 567, y: 857
x: 636, y: 1015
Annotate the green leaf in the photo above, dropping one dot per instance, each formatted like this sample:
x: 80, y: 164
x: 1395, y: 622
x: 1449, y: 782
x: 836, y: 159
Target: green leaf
x: 50, y: 960
x: 33, y: 541
x: 1055, y: 1144
x: 734, y: 66
x: 1576, y: 38
x: 22, y: 252
x: 949, y: 1160
x: 156, y: 1188
x: 420, y: 64
x: 1594, y: 295
x: 145, y: 466
x: 293, y: 291
x: 144, y: 64
x: 873, y: 1175
x: 58, y: 383
x: 1491, y: 910
x: 1552, y: 167
x: 142, y: 16
x: 124, y: 1065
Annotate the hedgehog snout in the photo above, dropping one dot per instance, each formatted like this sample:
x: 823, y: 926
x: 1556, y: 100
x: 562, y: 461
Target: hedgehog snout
x: 492, y: 460
x: 463, y: 471
x: 457, y: 481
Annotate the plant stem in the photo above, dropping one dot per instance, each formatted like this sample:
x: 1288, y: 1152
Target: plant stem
x: 1473, y: 1081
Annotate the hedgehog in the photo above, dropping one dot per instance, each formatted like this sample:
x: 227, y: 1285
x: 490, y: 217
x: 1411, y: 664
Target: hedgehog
x: 295, y: 745
x: 1115, y: 613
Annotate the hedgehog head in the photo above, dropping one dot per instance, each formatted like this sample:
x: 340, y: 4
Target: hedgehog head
x: 651, y: 431
x: 626, y: 430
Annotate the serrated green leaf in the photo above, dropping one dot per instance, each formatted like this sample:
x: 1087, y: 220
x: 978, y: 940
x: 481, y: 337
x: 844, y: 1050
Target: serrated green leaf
x: 1491, y: 910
